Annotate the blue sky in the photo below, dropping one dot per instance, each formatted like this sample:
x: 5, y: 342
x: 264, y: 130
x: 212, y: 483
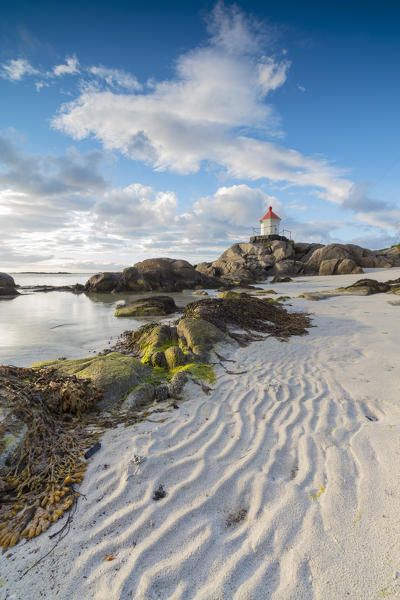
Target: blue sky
x: 131, y: 130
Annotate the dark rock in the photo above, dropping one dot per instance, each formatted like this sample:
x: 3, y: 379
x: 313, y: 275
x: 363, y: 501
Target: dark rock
x: 152, y: 306
x: 169, y: 274
x: 7, y: 285
x: 103, y: 282
x: 159, y: 493
x: 92, y: 450
x: 161, y: 393
x: 279, y: 279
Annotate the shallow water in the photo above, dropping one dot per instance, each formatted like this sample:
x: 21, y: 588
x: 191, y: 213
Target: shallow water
x: 45, y: 325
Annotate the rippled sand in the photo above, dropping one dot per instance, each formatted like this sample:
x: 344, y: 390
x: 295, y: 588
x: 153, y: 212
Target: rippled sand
x: 283, y: 483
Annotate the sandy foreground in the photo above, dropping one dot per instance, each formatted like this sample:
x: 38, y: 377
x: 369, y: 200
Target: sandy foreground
x: 302, y: 450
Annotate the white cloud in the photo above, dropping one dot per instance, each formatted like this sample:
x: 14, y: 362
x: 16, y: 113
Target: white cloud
x: 70, y: 67
x: 212, y: 110
x: 379, y: 213
x: 16, y: 69
x: 136, y: 209
x: 116, y: 77
x: 272, y: 75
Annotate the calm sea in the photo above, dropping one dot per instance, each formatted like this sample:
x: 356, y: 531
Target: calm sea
x: 45, y: 325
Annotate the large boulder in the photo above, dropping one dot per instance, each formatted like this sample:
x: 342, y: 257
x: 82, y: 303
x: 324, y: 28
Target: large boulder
x: 327, y: 267
x: 169, y: 274
x: 152, y: 306
x: 132, y: 280
x: 347, y: 266
x: 7, y: 285
x: 349, y: 258
x: 198, y: 336
x: 115, y: 373
x: 331, y: 252
x: 103, y: 282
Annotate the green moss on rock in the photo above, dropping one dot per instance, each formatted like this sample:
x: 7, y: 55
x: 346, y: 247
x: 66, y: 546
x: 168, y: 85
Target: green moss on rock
x: 115, y: 373
x: 198, y: 370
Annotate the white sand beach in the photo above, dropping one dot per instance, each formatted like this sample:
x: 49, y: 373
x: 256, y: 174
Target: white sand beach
x: 283, y: 483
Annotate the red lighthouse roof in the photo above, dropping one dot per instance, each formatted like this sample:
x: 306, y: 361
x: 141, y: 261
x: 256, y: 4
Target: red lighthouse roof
x: 270, y: 215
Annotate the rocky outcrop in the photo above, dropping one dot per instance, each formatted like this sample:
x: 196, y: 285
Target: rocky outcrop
x: 345, y: 259
x: 154, y: 274
x: 145, y: 307
x: 169, y: 274
x: 7, y: 285
x: 245, y: 263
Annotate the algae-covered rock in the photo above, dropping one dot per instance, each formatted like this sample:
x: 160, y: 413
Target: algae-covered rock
x: 158, y: 359
x: 115, y: 373
x: 200, y: 293
x: 145, y: 307
x: 174, y: 357
x: 154, y: 335
x: 231, y: 294
x: 199, y: 335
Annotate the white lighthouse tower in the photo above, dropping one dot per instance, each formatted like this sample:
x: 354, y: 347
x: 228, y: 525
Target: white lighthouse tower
x: 270, y: 223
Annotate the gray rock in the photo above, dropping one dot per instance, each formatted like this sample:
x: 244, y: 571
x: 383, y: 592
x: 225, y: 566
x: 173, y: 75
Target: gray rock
x: 177, y: 384
x: 142, y: 395
x: 161, y: 393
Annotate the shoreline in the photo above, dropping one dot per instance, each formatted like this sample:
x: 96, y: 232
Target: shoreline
x: 297, y: 454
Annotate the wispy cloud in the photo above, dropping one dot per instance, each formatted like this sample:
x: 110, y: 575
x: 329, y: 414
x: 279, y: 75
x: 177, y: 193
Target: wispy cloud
x: 70, y: 67
x: 116, y: 77
x: 16, y: 69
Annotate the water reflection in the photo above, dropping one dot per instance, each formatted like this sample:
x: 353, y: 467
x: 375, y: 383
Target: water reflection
x: 39, y: 325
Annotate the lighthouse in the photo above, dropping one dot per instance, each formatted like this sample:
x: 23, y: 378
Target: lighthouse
x: 270, y: 223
